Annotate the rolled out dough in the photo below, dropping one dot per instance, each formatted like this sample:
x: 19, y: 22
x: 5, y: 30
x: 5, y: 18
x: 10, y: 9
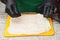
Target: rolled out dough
x: 29, y: 24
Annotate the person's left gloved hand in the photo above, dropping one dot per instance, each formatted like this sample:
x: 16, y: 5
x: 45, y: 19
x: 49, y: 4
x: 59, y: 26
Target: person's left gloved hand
x: 48, y: 8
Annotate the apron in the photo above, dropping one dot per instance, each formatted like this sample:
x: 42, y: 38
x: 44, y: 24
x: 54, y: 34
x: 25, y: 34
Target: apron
x: 29, y: 5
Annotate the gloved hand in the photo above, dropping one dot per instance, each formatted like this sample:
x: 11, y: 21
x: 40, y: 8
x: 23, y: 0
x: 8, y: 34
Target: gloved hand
x: 48, y: 8
x: 58, y: 10
x: 11, y: 8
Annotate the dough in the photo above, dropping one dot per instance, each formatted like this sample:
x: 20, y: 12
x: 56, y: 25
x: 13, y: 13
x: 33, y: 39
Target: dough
x: 29, y: 24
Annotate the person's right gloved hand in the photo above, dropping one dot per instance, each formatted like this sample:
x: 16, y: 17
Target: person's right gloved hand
x: 11, y: 8
x: 48, y: 8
